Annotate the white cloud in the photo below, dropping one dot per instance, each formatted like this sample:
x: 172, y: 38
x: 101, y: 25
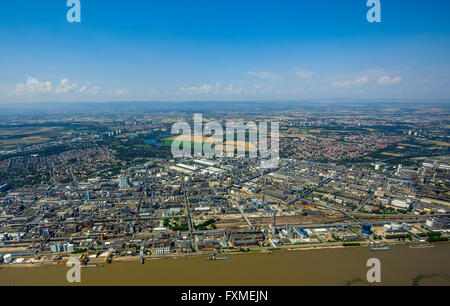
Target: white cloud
x: 264, y: 75
x: 231, y: 90
x: 304, y: 74
x: 385, y: 80
x: 152, y: 92
x: 255, y: 89
x: 349, y: 83
x: 121, y: 92
x: 93, y: 90
x: 65, y: 86
x: 32, y: 86
x: 204, y: 89
x: 217, y: 89
x: 218, y: 86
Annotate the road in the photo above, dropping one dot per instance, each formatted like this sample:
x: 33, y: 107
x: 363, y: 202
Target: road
x: 243, y: 215
x: 361, y: 204
x: 309, y: 191
x: 189, y: 219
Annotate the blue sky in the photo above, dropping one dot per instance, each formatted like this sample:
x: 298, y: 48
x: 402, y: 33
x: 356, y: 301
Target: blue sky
x: 223, y: 50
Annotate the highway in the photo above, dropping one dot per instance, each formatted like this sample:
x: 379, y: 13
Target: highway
x: 309, y: 191
x: 361, y: 204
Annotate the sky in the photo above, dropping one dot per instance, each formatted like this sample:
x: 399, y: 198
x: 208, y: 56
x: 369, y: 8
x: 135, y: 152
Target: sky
x: 217, y: 50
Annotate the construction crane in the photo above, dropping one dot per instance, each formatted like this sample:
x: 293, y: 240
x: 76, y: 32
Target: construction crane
x: 84, y: 258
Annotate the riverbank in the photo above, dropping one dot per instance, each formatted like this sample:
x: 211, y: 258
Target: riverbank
x: 400, y: 266
x: 265, y: 251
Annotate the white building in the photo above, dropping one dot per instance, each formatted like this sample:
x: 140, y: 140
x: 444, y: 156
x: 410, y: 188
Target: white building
x: 428, y: 164
x: 431, y: 223
x: 400, y: 204
x: 321, y: 231
x: 205, y: 163
x: 162, y: 251
x: 56, y: 248
x: 188, y: 167
x: 123, y: 182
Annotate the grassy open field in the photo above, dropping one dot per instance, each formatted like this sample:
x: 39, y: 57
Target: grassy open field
x: 17, y: 137
x: 392, y: 154
x: 249, y: 147
x: 439, y: 143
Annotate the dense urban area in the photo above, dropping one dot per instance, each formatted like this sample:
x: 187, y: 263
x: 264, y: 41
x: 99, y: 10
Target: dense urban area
x: 102, y: 184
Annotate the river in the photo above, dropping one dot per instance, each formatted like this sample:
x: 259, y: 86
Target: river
x: 345, y: 266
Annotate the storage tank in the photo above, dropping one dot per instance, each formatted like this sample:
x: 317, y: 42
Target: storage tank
x: 396, y: 226
x: 7, y: 258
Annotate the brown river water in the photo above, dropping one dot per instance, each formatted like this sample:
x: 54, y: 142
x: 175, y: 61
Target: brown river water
x: 401, y: 265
